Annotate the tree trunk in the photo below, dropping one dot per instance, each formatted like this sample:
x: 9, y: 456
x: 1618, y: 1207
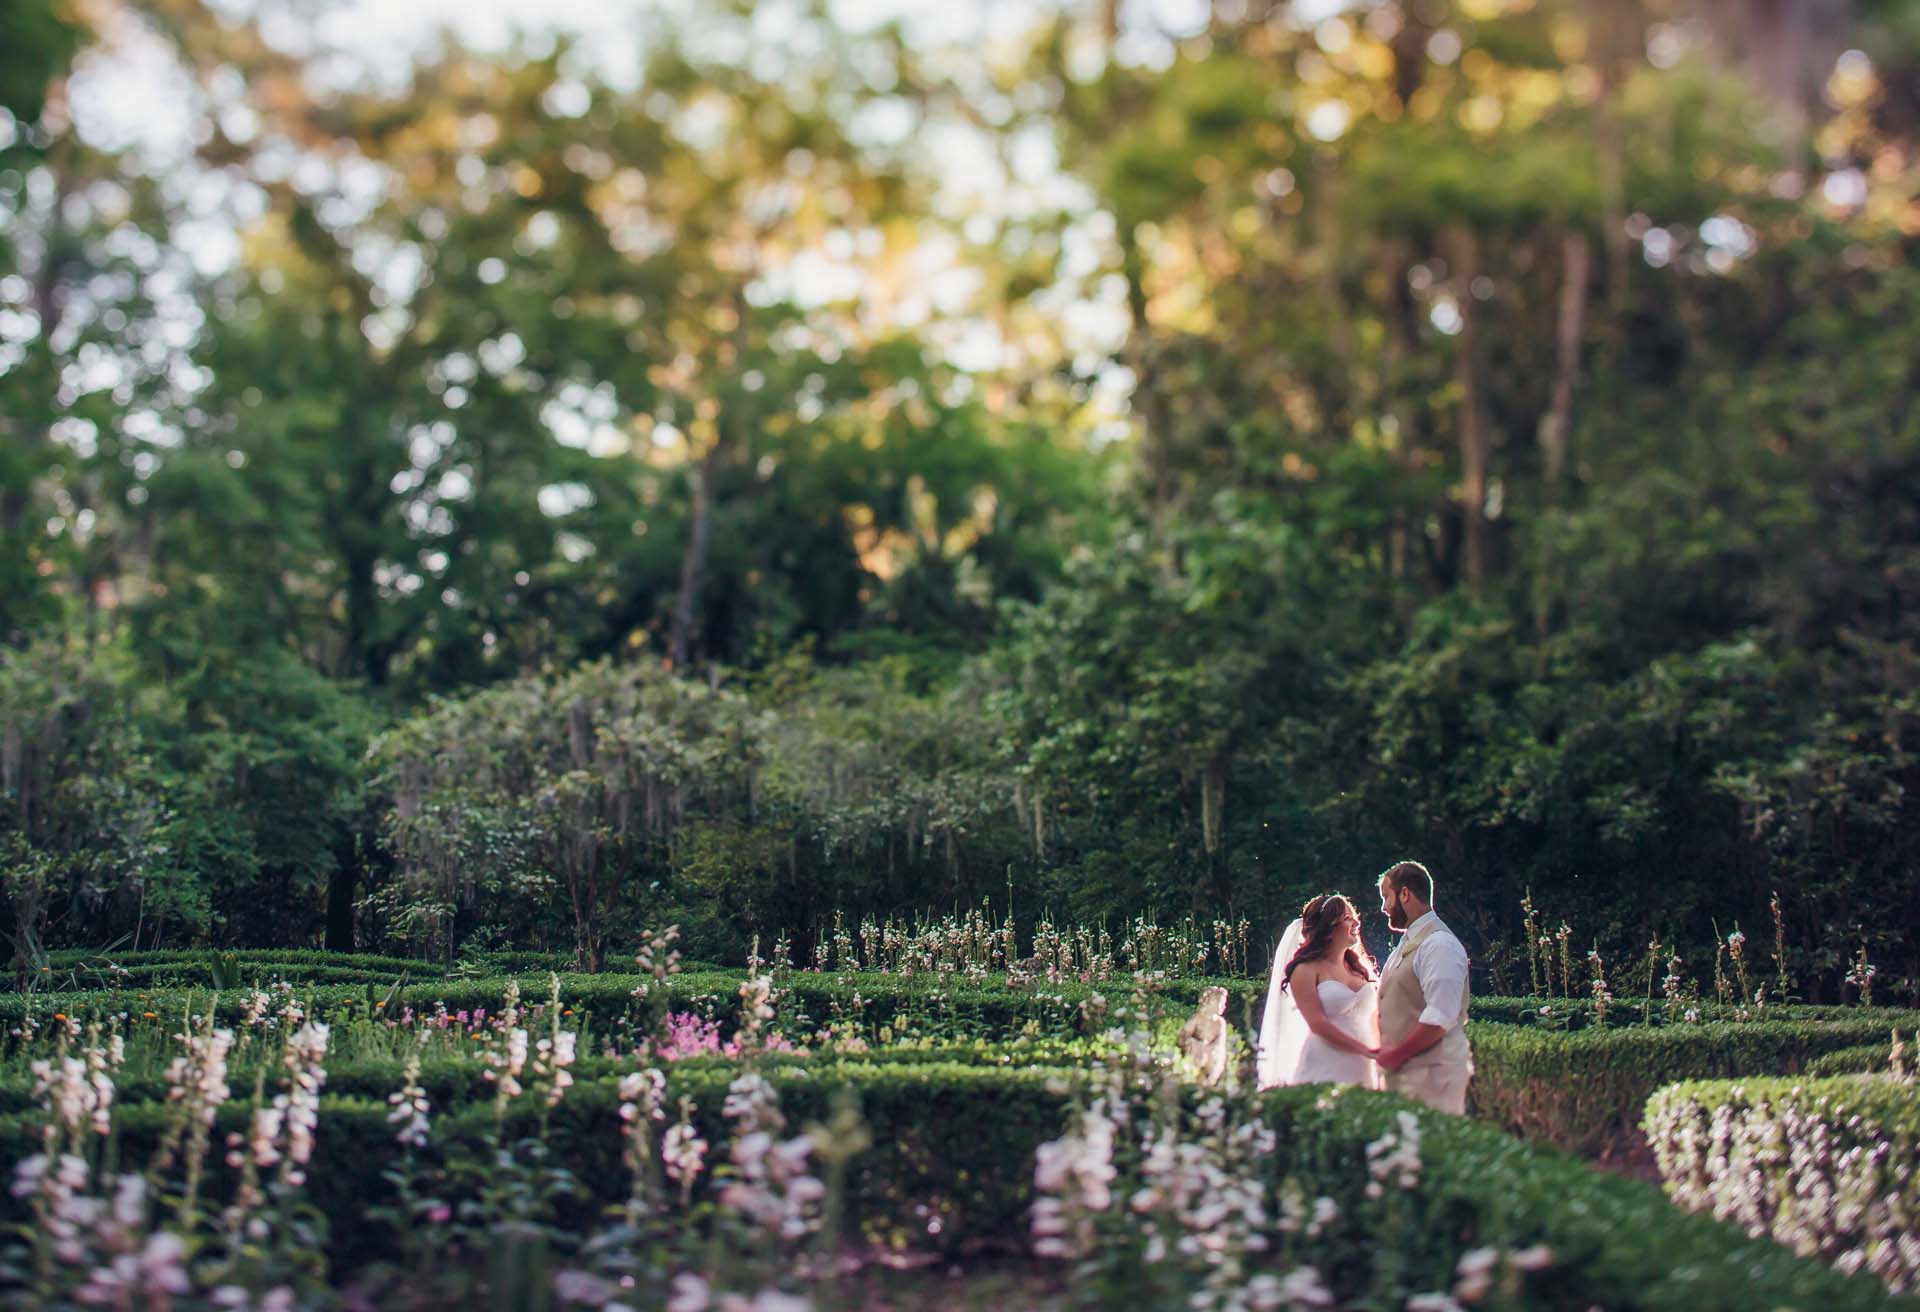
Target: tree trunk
x: 1156, y: 454
x: 1329, y: 231
x: 1556, y: 428
x: 693, y: 565
x: 357, y: 539
x: 1402, y: 360
x: 1784, y: 58
x: 1403, y: 312
x: 1213, y: 808
x: 48, y: 304
x: 1473, y: 432
x: 1610, y: 47
x: 342, y: 884
x: 1213, y: 797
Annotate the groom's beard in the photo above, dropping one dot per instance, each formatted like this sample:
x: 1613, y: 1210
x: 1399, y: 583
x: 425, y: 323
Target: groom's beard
x: 1397, y: 919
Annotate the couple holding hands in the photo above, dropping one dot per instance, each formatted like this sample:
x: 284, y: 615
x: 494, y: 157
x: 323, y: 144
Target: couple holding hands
x: 1332, y: 1019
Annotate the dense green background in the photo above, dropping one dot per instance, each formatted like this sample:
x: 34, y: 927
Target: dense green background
x: 1526, y: 478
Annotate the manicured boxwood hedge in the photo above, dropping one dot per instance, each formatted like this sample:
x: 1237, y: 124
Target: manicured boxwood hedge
x: 991, y: 1011
x: 1869, y: 1059
x: 1578, y: 1013
x: 203, y: 975
x: 1829, y: 1167
x: 452, y: 1082
x: 87, y: 958
x: 952, y: 1162
x: 70, y: 970
x: 991, y: 1007
x: 1584, y: 1091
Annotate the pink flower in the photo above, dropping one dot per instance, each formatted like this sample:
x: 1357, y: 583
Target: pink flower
x: 688, y: 1035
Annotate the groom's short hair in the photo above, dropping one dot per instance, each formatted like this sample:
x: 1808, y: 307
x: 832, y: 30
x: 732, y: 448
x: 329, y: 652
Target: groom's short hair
x: 1413, y: 875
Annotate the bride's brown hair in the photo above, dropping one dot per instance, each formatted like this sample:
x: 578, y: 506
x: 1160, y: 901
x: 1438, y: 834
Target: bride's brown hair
x: 1317, y: 921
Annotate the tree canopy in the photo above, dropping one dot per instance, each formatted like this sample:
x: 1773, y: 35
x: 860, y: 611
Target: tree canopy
x: 738, y: 467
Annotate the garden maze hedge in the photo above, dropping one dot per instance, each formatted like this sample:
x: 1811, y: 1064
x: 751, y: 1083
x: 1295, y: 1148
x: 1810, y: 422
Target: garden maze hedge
x: 965, y: 1081
x: 952, y: 1166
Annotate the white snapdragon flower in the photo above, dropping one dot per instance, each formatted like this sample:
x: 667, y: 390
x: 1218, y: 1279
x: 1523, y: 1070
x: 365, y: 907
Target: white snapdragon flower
x: 411, y: 1108
x: 682, y: 1152
x: 641, y: 1094
x: 689, y: 1293
x: 1394, y: 1158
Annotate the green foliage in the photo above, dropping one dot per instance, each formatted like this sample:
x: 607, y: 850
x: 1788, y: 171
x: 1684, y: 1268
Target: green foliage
x: 1585, y: 1091
x: 952, y: 1165
x: 1867, y: 1059
x: 79, y: 802
x: 273, y: 959
x: 218, y: 799
x: 571, y: 785
x: 1504, y: 459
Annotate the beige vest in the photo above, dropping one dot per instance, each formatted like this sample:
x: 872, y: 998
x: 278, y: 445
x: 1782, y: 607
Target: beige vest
x: 1402, y: 1000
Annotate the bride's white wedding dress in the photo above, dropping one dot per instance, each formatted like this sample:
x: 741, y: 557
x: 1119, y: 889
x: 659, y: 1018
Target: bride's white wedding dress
x: 1290, y: 1053
x: 1357, y: 1012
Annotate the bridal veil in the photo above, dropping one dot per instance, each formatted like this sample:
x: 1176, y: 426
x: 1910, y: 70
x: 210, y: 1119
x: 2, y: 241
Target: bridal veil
x: 1283, y: 1030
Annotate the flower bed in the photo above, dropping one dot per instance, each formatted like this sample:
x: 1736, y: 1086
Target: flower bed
x: 1828, y: 1167
x: 470, y: 1143
x: 1583, y: 1091
x: 1579, y: 1087
x: 989, y: 1008
x: 952, y: 1167
x: 456, y: 1081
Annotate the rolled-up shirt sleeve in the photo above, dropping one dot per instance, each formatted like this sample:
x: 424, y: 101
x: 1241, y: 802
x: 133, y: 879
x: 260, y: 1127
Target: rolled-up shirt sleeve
x: 1441, y: 967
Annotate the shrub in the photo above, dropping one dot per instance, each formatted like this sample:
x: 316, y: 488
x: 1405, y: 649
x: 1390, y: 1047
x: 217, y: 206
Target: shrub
x: 953, y: 1161
x: 1583, y: 1091
x: 989, y: 1008
x: 1827, y: 1167
x: 455, y: 1083
x: 1627, y: 1013
x: 806, y: 999
x: 67, y: 959
x: 1868, y: 1059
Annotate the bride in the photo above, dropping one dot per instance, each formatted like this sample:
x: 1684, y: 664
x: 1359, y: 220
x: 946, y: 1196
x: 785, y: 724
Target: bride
x: 1322, y: 1022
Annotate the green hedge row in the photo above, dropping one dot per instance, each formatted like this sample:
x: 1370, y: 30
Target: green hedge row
x: 1578, y: 1013
x: 1828, y: 1167
x: 952, y: 1164
x: 74, y: 958
x: 1868, y: 1059
x: 455, y: 1082
x: 804, y: 998
x: 1584, y: 1091
x: 990, y: 1008
x: 243, y: 975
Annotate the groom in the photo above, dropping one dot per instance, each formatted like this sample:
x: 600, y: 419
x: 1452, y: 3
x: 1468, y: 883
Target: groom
x: 1423, y: 996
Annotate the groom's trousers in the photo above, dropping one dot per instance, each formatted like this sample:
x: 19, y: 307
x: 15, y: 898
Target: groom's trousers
x: 1443, y: 1088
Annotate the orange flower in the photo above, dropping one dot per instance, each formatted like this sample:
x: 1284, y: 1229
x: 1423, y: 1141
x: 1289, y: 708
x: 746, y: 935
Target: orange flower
x: 59, y: 1015
x: 379, y: 1004
x: 149, y: 1015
